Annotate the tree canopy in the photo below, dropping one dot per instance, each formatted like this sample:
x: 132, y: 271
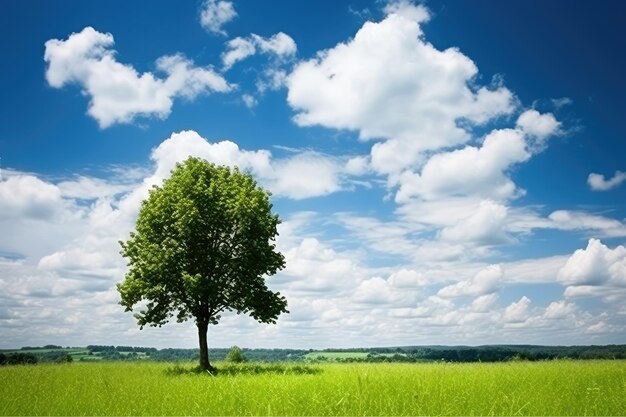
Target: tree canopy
x: 204, y: 243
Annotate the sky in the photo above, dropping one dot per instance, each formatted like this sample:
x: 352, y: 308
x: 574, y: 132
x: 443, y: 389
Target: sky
x: 446, y: 172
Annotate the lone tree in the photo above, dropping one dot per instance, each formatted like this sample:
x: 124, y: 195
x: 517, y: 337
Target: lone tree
x: 235, y: 355
x: 203, y: 244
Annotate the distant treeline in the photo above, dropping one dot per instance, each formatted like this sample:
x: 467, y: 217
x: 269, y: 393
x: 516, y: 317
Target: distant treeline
x: 217, y: 354
x: 17, y: 358
x: 488, y: 353
x: 41, y: 347
x: 137, y: 349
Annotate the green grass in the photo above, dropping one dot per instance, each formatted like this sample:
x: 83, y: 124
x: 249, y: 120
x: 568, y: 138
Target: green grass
x: 148, y: 388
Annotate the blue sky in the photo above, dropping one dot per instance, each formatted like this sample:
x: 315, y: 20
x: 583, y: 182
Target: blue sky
x: 446, y: 172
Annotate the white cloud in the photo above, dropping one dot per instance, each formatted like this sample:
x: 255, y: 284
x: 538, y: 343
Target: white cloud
x: 249, y: 101
x: 280, y: 46
x: 484, y: 226
x: 412, y: 95
x: 595, y: 265
x: 272, y: 79
x: 597, y: 182
x: 470, y: 170
x: 534, y: 271
x: 484, y: 303
x: 179, y: 146
x: 538, y: 126
x: 558, y: 310
x: 484, y: 282
x: 28, y: 196
x: 561, y: 102
x: 303, y: 175
x: 215, y: 14
x: 517, y: 312
x: 238, y: 49
x: 313, y: 267
x: 407, y: 278
x: 385, y: 237
x: 358, y: 165
x: 578, y: 220
x: 417, y: 13
x: 82, y: 262
x: 599, y: 327
x: 118, y: 93
x: 375, y: 290
x: 306, y: 175
x: 89, y: 188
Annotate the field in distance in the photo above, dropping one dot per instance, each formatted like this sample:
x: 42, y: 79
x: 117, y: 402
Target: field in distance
x: 561, y: 387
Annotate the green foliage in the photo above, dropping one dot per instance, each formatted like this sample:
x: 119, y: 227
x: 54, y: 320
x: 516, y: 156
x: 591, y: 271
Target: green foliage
x: 17, y: 359
x: 203, y: 244
x: 487, y: 353
x: 235, y: 355
x: 553, y: 388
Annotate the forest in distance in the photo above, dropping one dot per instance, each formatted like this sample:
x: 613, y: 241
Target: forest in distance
x: 405, y: 354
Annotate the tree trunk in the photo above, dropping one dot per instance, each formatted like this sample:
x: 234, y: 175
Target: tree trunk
x: 205, y: 365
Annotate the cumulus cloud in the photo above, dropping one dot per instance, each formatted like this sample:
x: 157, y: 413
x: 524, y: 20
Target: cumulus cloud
x: 595, y: 265
x: 215, y: 14
x: 280, y: 46
x: 28, y: 196
x: 558, y: 310
x: 484, y: 226
x: 474, y: 171
x: 538, y: 126
x: 484, y: 282
x: 469, y: 171
x: 407, y: 278
x: 373, y: 291
x: 597, y: 182
x: 306, y: 175
x: 407, y: 9
x: 117, y: 92
x: 517, y: 312
x: 411, y: 96
x: 484, y: 303
x: 401, y: 289
x: 313, y: 267
x: 421, y: 106
x: 303, y: 175
x: 358, y: 165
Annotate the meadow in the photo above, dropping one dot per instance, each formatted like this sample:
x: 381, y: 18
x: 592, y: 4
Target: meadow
x: 555, y: 388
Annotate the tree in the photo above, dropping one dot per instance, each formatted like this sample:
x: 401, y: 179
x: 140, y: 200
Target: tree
x: 235, y: 355
x: 204, y: 242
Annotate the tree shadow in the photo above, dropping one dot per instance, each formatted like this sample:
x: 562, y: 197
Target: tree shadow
x: 236, y: 369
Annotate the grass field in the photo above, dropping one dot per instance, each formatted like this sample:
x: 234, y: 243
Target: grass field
x: 148, y: 388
